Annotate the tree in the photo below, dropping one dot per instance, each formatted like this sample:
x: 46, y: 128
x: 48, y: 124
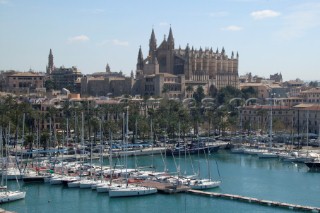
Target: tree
x: 189, y: 89
x: 313, y: 84
x: 249, y: 92
x: 227, y: 93
x: 198, y: 95
x: 213, y: 91
x: 49, y: 85
x: 165, y: 90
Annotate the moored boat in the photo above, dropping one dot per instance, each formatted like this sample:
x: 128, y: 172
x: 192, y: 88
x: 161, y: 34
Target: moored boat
x: 131, y: 191
x: 9, y: 196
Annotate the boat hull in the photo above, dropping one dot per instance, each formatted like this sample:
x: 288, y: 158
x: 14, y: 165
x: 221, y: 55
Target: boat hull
x: 202, y: 150
x: 33, y: 179
x: 313, y: 165
x: 134, y: 191
x: 9, y: 196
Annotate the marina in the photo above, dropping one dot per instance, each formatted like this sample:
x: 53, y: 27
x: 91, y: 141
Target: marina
x: 244, y: 178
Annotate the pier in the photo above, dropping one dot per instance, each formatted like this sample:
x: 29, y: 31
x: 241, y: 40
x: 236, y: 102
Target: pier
x: 256, y: 201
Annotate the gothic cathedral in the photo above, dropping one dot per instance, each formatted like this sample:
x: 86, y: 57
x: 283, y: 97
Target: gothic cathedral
x: 202, y: 66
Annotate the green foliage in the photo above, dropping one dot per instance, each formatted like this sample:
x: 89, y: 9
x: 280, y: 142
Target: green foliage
x: 213, y: 91
x: 49, y: 85
x: 313, y: 84
x: 198, y: 95
x: 249, y: 92
x: 227, y: 93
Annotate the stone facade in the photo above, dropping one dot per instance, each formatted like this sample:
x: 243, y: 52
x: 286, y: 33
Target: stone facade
x: 304, y: 113
x: 197, y: 66
x: 257, y: 117
x: 105, y: 84
x: 311, y: 96
x: 25, y: 82
x: 63, y: 77
x: 66, y: 78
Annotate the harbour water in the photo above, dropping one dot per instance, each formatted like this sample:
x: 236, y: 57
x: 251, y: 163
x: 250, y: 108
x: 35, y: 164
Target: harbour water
x: 247, y: 175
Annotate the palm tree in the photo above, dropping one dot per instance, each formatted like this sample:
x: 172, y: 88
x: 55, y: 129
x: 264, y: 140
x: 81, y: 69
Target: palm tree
x: 189, y: 90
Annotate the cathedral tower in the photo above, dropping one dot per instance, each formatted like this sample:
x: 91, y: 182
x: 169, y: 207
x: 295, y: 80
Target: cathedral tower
x: 152, y: 44
x: 170, y: 40
x: 140, y: 60
x: 50, y: 66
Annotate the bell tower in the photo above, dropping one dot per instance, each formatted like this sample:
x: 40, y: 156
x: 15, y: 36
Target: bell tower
x: 50, y: 66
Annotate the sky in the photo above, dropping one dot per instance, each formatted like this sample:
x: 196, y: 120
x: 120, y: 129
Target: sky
x: 271, y: 36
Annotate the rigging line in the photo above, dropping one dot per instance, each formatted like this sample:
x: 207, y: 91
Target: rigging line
x: 164, y: 163
x: 175, y: 163
x: 218, y: 170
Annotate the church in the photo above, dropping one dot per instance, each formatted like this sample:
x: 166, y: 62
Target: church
x: 178, y: 72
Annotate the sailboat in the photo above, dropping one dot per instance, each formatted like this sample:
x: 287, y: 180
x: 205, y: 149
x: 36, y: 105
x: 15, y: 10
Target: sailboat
x: 126, y: 190
x: 5, y: 194
x: 200, y: 183
x: 31, y: 176
x: 269, y: 153
x: 314, y: 164
x: 104, y: 186
x: 76, y: 182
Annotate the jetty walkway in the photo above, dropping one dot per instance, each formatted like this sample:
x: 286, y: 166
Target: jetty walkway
x: 256, y: 201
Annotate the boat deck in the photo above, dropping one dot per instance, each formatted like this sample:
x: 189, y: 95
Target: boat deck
x: 167, y: 188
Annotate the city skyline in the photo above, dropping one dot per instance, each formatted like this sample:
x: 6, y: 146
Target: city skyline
x: 270, y: 36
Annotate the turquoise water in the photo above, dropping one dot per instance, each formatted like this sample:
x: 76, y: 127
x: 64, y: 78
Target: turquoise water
x: 268, y: 179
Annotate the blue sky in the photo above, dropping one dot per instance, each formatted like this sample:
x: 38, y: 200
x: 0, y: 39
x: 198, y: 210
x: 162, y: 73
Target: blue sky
x: 271, y: 36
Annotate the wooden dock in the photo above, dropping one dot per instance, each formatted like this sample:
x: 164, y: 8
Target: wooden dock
x: 167, y: 188
x: 256, y: 201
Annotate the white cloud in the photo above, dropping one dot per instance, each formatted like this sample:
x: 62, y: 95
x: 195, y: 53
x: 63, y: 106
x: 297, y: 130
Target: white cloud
x: 262, y: 14
x: 302, y: 19
x: 79, y: 38
x: 232, y: 28
x: 119, y: 43
x: 219, y: 14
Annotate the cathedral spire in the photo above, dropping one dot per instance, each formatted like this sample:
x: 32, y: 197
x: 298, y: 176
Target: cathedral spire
x: 222, y: 51
x: 108, y: 70
x: 50, y: 66
x: 152, y: 43
x: 140, y: 60
x: 170, y: 39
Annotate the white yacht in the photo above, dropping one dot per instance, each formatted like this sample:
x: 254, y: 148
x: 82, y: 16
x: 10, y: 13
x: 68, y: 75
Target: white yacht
x: 9, y: 196
x: 131, y: 191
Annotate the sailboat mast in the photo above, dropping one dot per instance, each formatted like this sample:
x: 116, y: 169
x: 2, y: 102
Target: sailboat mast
x: 152, y: 140
x: 270, y: 130
x: 101, y: 150
x: 110, y: 155
x: 23, y: 120
x: 307, y: 128
x: 179, y: 149
x: 2, y: 156
x: 126, y: 140
x: 82, y: 140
